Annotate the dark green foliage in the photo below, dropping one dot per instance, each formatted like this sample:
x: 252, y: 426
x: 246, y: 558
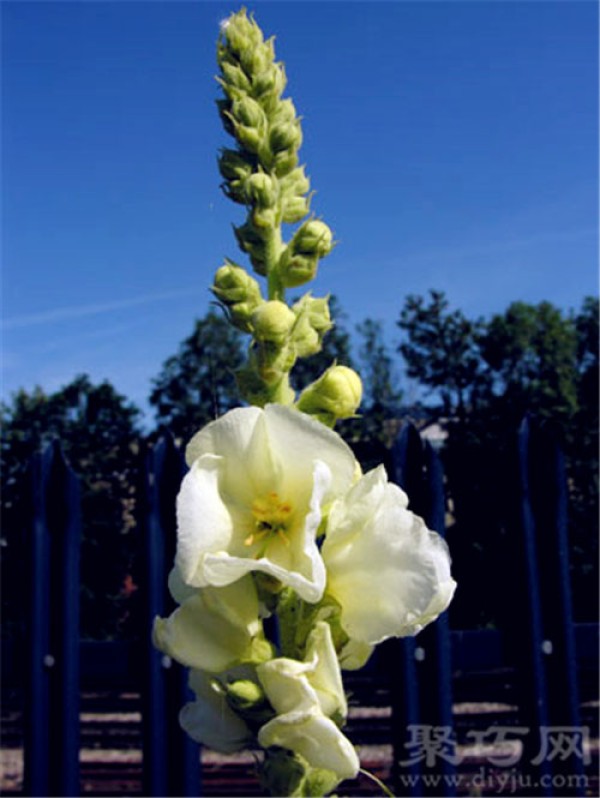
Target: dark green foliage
x: 531, y: 359
x: 98, y: 432
x: 197, y: 384
x: 441, y: 350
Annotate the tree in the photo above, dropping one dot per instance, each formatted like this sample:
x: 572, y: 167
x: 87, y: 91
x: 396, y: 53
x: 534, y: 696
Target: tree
x: 98, y: 431
x: 197, y: 384
x: 531, y: 353
x: 381, y: 397
x: 441, y: 351
x: 530, y: 359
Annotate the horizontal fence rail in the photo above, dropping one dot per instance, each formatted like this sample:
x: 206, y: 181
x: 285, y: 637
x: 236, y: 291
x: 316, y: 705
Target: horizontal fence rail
x: 539, y: 662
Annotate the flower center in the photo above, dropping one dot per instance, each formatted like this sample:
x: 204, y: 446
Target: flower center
x: 271, y: 517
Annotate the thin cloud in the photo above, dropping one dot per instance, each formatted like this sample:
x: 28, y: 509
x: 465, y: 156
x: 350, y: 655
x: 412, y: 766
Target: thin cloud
x: 82, y: 311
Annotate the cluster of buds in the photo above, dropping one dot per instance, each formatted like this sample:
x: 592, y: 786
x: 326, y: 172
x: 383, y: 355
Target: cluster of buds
x: 263, y: 174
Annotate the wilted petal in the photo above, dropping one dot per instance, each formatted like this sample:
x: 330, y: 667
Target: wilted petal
x: 389, y: 573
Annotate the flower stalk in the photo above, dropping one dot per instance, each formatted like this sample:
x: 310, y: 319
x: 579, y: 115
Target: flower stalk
x: 275, y: 518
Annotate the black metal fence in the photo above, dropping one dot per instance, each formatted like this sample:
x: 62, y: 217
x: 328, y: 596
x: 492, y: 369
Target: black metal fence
x: 536, y: 646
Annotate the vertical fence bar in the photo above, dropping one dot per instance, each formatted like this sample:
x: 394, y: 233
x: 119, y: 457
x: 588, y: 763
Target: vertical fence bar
x: 37, y: 643
x: 64, y: 509
x: 170, y: 760
x: 525, y: 631
x: 52, y: 686
x: 403, y: 467
x: 549, y: 495
x: 425, y: 697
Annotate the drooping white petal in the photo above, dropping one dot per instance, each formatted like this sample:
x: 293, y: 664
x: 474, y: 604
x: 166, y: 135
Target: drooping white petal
x: 389, y: 573
x: 212, y: 629
x: 210, y: 720
x: 326, y: 678
x: 203, y: 521
x: 316, y: 738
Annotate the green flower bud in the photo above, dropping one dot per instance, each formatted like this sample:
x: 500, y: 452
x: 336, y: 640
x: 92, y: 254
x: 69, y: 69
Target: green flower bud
x: 234, y: 166
x: 240, y: 33
x: 273, y: 321
x: 244, y: 694
x: 233, y: 284
x: 285, y: 136
x: 248, y: 112
x: 294, y: 209
x: 249, y: 137
x: 336, y: 394
x: 264, y: 218
x: 282, y: 772
x: 250, y: 240
x: 298, y: 269
x: 296, y: 183
x: 269, y: 85
x: 284, y: 162
x: 233, y: 76
x: 313, y: 238
x: 313, y: 321
x: 255, y: 60
x: 261, y: 190
x: 284, y: 113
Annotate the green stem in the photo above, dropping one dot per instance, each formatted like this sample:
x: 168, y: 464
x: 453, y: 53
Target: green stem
x: 274, y: 246
x: 378, y: 782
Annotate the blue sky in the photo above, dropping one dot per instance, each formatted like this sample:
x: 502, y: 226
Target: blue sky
x: 452, y: 145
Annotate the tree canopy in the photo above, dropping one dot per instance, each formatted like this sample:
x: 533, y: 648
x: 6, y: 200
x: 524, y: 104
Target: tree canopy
x: 99, y: 431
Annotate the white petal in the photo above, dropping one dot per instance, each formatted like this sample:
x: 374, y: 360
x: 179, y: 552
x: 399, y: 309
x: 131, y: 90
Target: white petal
x: 326, y: 678
x: 285, y: 682
x: 210, y: 720
x: 296, y: 562
x: 212, y: 629
x: 390, y: 574
x: 203, y: 521
x: 297, y: 440
x: 314, y: 737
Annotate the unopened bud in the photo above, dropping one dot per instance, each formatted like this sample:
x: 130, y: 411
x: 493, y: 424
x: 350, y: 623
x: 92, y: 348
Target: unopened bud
x: 313, y: 238
x: 234, y: 166
x: 244, y: 694
x: 298, y: 269
x: 241, y: 33
x: 255, y: 60
x: 248, y: 112
x: 233, y: 284
x: 284, y: 113
x: 285, y: 162
x: 294, y: 209
x: 264, y: 218
x: 285, y: 136
x: 272, y: 321
x: 313, y: 321
x: 282, y: 772
x: 233, y: 76
x: 336, y: 394
x: 269, y: 85
x: 261, y: 190
x: 296, y: 183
